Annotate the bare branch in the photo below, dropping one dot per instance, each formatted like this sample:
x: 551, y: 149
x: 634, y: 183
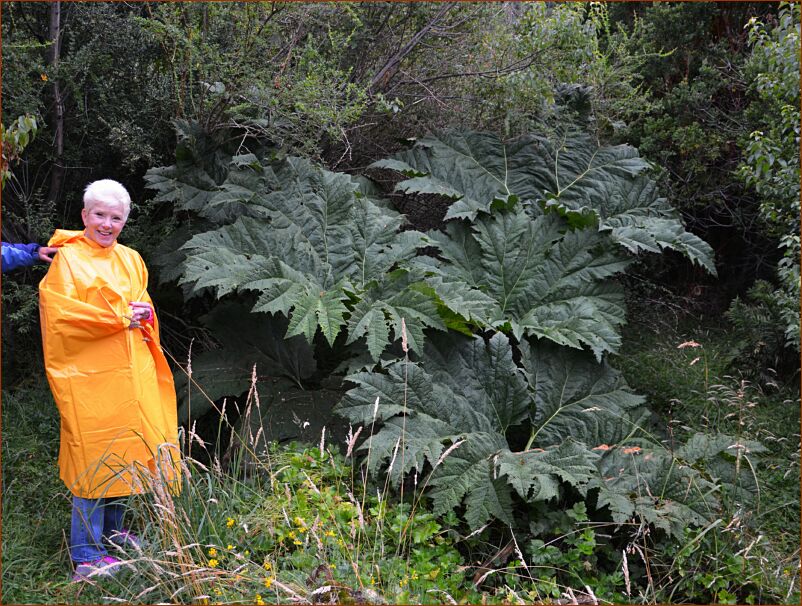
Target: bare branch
x: 491, y: 74
x: 382, y: 78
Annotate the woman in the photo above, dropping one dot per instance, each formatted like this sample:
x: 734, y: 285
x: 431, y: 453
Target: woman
x: 109, y: 377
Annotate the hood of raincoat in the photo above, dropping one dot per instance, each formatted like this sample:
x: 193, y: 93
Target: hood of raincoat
x: 62, y: 236
x: 111, y: 382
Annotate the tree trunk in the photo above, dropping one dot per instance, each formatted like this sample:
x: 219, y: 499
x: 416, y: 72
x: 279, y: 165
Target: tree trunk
x: 57, y: 107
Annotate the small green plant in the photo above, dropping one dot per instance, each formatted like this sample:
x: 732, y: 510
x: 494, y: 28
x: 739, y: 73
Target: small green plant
x: 723, y: 563
x: 760, y: 331
x: 570, y: 560
x: 15, y: 139
x: 745, y: 554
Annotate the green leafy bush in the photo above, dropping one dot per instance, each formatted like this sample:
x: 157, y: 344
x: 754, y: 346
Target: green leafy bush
x: 488, y: 426
x: 450, y: 419
x: 771, y: 162
x: 307, y: 241
x: 760, y: 329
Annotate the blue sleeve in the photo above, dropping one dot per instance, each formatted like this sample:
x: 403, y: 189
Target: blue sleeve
x: 19, y: 255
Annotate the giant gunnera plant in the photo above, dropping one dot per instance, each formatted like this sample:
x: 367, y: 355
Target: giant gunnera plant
x: 529, y: 408
x: 506, y: 402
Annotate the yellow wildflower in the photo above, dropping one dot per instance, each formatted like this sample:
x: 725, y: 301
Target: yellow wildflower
x: 212, y: 551
x: 259, y: 600
x: 302, y: 529
x: 268, y: 582
x: 230, y: 522
x: 299, y: 521
x: 229, y: 547
x: 291, y: 534
x: 246, y: 553
x: 329, y: 533
x: 213, y: 563
x: 267, y: 565
x: 297, y: 542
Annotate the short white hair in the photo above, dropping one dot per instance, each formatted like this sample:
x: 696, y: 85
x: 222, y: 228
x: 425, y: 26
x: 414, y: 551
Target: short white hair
x: 107, y: 190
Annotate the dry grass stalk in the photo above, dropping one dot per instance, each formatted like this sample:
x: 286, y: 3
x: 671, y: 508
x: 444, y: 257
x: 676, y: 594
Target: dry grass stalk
x: 358, y: 509
x: 392, y: 461
x: 625, y: 568
x: 351, y: 439
x: 448, y: 451
x: 519, y: 553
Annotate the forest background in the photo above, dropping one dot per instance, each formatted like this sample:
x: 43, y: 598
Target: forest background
x: 184, y: 102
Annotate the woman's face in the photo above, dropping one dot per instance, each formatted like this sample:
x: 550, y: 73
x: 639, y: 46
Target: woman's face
x: 103, y: 221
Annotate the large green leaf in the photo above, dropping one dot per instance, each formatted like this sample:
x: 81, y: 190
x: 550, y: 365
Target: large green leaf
x: 486, y: 371
x: 536, y: 474
x: 190, y: 188
x: 398, y: 401
x: 452, y: 417
x: 649, y: 483
x: 479, y: 168
x: 467, y: 474
x: 312, y: 245
x: 251, y: 345
x: 673, y: 490
x: 637, y: 218
x: 592, y: 184
x: 201, y: 165
x: 456, y: 416
x: 583, y: 170
x: 578, y: 397
x: 508, y: 270
x: 388, y: 303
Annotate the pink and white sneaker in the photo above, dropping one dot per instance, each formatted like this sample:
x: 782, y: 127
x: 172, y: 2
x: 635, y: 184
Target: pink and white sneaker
x: 126, y: 538
x: 103, y: 567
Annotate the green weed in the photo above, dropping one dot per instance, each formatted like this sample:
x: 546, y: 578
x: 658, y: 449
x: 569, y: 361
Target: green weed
x: 36, y: 506
x: 751, y: 553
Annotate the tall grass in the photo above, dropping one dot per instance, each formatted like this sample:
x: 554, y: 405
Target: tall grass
x: 36, y: 505
x: 258, y: 523
x: 751, y: 552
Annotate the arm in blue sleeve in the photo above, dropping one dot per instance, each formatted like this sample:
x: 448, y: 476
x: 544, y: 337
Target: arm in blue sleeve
x: 19, y: 255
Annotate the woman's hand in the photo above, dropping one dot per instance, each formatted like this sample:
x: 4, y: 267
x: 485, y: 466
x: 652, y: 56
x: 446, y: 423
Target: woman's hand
x: 140, y: 312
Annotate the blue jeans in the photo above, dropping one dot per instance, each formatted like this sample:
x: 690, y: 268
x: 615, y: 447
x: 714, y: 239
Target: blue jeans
x: 92, y: 521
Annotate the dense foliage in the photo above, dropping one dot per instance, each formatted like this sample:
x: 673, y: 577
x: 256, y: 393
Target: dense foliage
x: 446, y: 217
x: 772, y: 155
x: 454, y: 418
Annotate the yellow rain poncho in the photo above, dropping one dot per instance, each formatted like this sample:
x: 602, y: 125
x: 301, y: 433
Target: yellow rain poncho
x: 112, y: 385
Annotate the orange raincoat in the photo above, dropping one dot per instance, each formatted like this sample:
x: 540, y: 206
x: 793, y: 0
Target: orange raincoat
x: 112, y: 385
